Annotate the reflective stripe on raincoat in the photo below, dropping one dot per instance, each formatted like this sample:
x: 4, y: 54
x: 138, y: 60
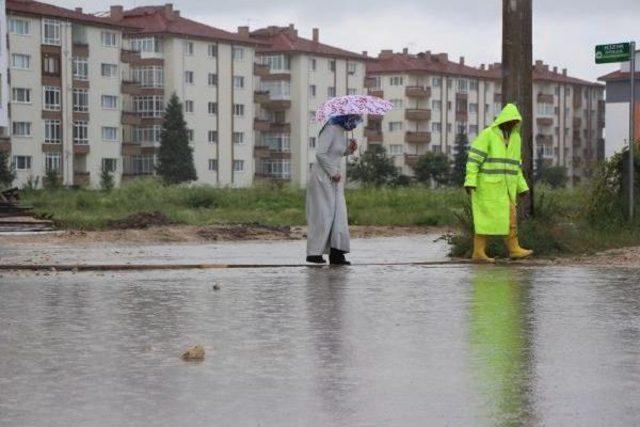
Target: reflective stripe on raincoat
x: 494, y: 170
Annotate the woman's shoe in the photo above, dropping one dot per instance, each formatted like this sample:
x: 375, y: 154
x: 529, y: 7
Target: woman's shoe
x: 336, y: 257
x: 315, y: 259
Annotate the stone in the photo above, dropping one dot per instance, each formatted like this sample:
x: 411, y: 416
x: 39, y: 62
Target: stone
x: 194, y: 353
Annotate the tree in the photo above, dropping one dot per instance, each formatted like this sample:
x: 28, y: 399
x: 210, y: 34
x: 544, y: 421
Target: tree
x: 7, y: 174
x: 106, y: 180
x: 433, y: 167
x: 374, y: 167
x: 175, y: 157
x: 460, y: 149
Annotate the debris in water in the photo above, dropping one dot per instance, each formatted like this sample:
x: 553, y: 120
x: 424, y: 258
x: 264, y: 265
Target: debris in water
x: 216, y: 287
x: 193, y: 353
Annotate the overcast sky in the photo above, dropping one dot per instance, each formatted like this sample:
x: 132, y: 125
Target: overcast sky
x: 565, y: 31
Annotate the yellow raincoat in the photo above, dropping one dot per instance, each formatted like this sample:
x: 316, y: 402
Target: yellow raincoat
x: 494, y: 170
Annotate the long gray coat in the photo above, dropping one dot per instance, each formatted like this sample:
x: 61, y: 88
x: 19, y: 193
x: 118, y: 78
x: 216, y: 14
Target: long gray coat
x: 326, y: 206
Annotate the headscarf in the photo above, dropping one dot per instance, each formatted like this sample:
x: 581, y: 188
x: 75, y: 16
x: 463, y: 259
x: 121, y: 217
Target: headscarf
x: 347, y: 122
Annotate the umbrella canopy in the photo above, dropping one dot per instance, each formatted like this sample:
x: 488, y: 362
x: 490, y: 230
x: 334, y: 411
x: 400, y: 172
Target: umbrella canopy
x: 352, y: 104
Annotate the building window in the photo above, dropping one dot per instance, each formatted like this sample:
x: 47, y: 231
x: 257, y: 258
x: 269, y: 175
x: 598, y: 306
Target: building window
x: 436, y: 82
x: 332, y: 65
x: 188, y: 106
x: 545, y: 109
x: 331, y: 91
x: 80, y: 68
x: 395, y: 126
x: 22, y: 163
x: 20, y: 61
x: 212, y: 50
x: 52, y: 132
x: 79, y: 34
x: 109, y: 39
x: 463, y: 85
x: 238, y: 82
x: 473, y: 85
x: 51, y: 97
x: 238, y: 110
x: 188, y: 48
x: 213, y: 79
x: 22, y: 129
x: 109, y: 70
x: 80, y: 132
x: 109, y: 133
x: 80, y: 100
x: 280, y: 142
x: 352, y: 91
x: 436, y: 106
x: 473, y: 107
x: 238, y: 137
x: 396, y: 149
x: 151, y: 76
x: 436, y: 127
x: 212, y: 137
x: 213, y: 108
x: 276, y: 62
x: 148, y: 135
x: 238, y: 54
x: 109, y: 102
x: 21, y: 95
x: 352, y: 68
x: 238, y: 165
x: 148, y: 45
x: 109, y: 165
x: 312, y: 91
x: 51, y: 32
x: 397, y: 104
x: 188, y: 77
x: 190, y: 135
x: 213, y: 165
x: 314, y: 64
x: 312, y: 142
x: 20, y: 27
x: 396, y: 81
x: 149, y: 106
x: 277, y: 89
x: 52, y: 162
x: 51, y: 64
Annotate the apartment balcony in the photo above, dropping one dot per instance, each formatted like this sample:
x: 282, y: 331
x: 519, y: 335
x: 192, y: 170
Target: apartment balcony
x: 417, y: 92
x: 417, y: 114
x: 261, y: 70
x: 283, y: 178
x: 261, y: 96
x: 373, y: 118
x: 129, y: 56
x: 577, y: 122
x: 81, y: 149
x: 81, y: 179
x: 601, y: 106
x: 261, y: 151
x: 130, y: 148
x: 462, y: 116
x: 261, y: 125
x: 376, y: 92
x: 80, y: 49
x: 276, y: 77
x: 276, y: 104
x: 544, y: 121
x: 545, y: 98
x: 51, y: 148
x: 129, y: 87
x: 417, y: 137
x: 131, y: 118
x: 411, y: 160
x: 280, y: 127
x: 5, y: 144
x: 369, y: 83
x: 577, y: 143
x: 577, y: 99
x: 373, y: 135
x: 544, y: 139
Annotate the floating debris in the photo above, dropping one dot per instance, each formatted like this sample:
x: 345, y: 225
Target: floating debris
x: 193, y: 353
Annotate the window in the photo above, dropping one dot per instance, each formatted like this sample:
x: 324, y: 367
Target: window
x: 238, y: 54
x: 312, y: 91
x: 109, y: 39
x: 238, y: 165
x: 352, y: 91
x: 21, y: 27
x: 52, y: 162
x: 449, y: 83
x: 213, y: 79
x: 238, y: 82
x: 188, y: 106
x: 277, y: 168
x: 22, y: 163
x: 463, y: 85
x: 280, y: 142
x: 51, y: 95
x: 276, y: 62
x: 238, y: 137
x: 436, y: 106
x: 332, y: 65
x: 151, y: 76
x: 212, y: 136
x: 148, y: 135
x: 80, y: 68
x: 190, y: 134
x: 314, y: 64
x: 396, y: 149
x: 109, y: 102
x: 109, y: 165
x: 436, y: 127
x: 213, y: 108
x: 212, y: 50
x: 278, y: 90
x: 395, y: 126
x: 109, y: 133
x: 331, y: 91
x: 545, y: 109
x: 473, y: 107
x: 312, y: 142
x: 109, y: 70
x: 79, y: 34
x: 148, y: 106
x: 21, y: 129
x: 436, y: 82
x: 80, y: 133
x: 51, y: 32
x: 473, y: 84
x: 188, y: 48
x: 21, y: 95
x: 148, y: 45
x: 352, y: 67
x: 238, y: 110
x: 20, y: 61
x: 50, y: 64
x: 80, y: 100
x: 52, y: 132
x: 397, y: 104
x: 213, y: 165
x: 396, y: 81
x: 188, y: 77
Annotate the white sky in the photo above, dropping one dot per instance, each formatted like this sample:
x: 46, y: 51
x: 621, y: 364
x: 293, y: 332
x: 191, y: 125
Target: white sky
x: 565, y: 31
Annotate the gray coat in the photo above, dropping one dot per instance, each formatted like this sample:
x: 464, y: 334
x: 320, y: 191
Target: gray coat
x: 326, y: 206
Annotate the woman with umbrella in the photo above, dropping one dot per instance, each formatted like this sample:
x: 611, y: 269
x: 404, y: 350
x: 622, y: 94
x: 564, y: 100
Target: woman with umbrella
x: 328, y: 228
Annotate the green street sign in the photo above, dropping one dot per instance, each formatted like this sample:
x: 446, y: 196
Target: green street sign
x: 617, y: 52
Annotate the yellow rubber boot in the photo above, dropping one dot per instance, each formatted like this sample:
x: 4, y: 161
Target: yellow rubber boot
x: 480, y: 250
x: 513, y: 245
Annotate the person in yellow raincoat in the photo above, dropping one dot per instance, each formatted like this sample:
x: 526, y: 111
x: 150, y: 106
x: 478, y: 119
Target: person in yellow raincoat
x: 494, y: 180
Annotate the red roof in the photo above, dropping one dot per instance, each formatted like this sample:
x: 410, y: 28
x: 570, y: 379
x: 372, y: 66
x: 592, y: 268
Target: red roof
x: 542, y: 72
x: 389, y: 63
x: 35, y: 8
x: 165, y: 20
x: 286, y: 40
x: 617, y: 76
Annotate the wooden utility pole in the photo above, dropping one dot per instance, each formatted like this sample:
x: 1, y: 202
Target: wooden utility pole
x: 517, y: 61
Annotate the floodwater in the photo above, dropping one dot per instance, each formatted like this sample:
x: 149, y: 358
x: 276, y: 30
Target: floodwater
x: 359, y: 346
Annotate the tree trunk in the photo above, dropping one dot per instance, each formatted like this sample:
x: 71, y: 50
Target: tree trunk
x: 517, y: 61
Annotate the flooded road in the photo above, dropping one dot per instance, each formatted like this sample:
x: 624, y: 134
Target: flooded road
x: 388, y: 345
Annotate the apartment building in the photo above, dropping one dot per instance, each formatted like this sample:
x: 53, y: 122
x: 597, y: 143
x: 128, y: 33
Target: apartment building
x: 436, y: 99
x: 211, y: 71
x: 5, y: 144
x: 296, y: 76
x: 63, y: 65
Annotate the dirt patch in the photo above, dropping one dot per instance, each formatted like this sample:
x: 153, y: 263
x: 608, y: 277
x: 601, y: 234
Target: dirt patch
x: 248, y: 232
x: 140, y: 220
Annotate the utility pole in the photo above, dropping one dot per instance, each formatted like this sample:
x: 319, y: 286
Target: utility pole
x: 517, y: 60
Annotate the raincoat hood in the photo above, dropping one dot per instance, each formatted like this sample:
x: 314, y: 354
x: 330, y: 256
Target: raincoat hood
x: 509, y: 113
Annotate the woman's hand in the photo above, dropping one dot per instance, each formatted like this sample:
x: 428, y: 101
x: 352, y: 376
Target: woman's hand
x: 353, y: 146
x: 336, y: 178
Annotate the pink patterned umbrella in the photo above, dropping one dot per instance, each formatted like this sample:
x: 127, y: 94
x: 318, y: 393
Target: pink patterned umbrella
x: 352, y: 104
